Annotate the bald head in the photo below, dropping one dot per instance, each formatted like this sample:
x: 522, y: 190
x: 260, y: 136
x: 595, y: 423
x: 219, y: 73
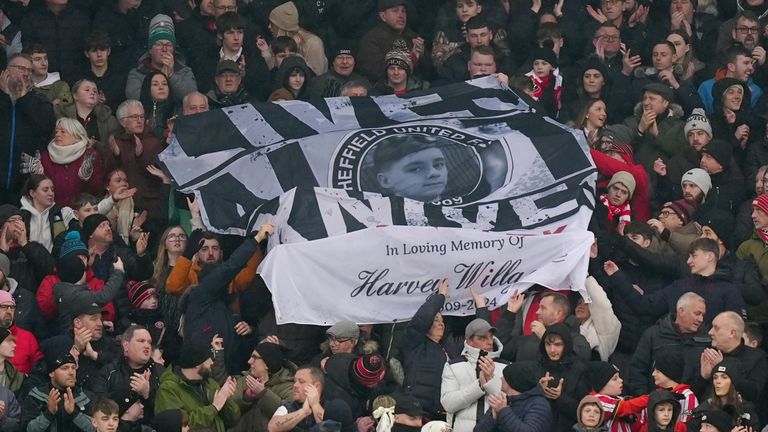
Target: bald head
x: 727, y: 331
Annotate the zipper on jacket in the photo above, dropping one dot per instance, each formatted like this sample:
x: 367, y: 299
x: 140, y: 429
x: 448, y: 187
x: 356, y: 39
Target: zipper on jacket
x: 13, y: 144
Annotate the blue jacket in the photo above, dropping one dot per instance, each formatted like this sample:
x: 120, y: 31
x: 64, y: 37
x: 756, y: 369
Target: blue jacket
x: 705, y: 93
x: 528, y: 412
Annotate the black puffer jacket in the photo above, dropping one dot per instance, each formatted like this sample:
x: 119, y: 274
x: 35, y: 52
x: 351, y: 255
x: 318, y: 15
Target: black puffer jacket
x: 424, y: 358
x: 114, y: 381
x: 664, y: 336
x: 573, y: 373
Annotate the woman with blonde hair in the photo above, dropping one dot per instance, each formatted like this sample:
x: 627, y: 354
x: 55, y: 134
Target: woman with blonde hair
x: 70, y: 162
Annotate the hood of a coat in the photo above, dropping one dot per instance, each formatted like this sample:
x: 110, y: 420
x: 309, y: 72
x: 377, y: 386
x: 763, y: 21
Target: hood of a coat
x: 471, y: 353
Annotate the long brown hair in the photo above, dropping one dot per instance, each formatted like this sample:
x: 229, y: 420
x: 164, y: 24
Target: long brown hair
x: 161, y: 262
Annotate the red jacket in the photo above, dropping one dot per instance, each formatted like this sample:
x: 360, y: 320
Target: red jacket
x: 27, y: 351
x: 67, y: 182
x: 608, y: 166
x: 50, y: 309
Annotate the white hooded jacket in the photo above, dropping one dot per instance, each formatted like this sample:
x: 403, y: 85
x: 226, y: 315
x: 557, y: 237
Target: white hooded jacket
x: 460, y: 390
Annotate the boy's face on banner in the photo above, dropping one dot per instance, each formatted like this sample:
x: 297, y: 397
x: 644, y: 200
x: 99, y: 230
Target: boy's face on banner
x: 421, y: 176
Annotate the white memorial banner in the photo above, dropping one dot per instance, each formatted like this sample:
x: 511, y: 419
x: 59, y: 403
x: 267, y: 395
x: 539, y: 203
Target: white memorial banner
x: 380, y: 275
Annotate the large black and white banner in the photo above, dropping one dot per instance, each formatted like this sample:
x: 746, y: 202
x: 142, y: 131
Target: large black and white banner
x: 369, y: 268
x: 471, y: 158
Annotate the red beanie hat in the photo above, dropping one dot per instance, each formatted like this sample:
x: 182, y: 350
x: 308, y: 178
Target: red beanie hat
x: 140, y: 291
x: 369, y: 370
x: 761, y: 202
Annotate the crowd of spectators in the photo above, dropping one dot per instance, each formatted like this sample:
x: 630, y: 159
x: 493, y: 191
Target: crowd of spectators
x: 118, y: 311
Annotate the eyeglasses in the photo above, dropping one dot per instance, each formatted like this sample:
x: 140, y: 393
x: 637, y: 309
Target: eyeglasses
x: 745, y: 30
x: 338, y: 340
x: 666, y: 213
x: 21, y: 68
x: 135, y: 117
x: 163, y: 45
x: 7, y: 307
x: 609, y: 38
x: 174, y: 237
x: 226, y: 8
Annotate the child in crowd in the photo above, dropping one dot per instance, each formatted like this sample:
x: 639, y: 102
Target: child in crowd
x: 607, y: 386
x: 145, y: 311
x: 105, y: 416
x: 667, y: 373
x: 590, y: 415
x: 665, y: 410
x: 546, y: 75
x: 171, y: 421
x: 620, y: 190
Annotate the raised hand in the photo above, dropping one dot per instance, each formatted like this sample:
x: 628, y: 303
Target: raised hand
x: 140, y: 383
x: 443, y: 287
x: 217, y: 343
x: 497, y: 402
x: 118, y: 265
x: 69, y: 401
x: 113, y: 145
x: 157, y: 172
x: 487, y: 369
x: 265, y: 230
x: 554, y: 392
x: 515, y: 303
x: 254, y: 385
x: 480, y: 301
x: 610, y: 268
x: 54, y: 398
x: 596, y: 14
x: 138, y: 147
x: 124, y: 192
x: 243, y: 328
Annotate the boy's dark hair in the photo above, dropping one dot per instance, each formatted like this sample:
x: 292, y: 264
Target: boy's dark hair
x: 484, y: 50
x: 229, y: 21
x: 669, y: 45
x: 549, y: 31
x: 478, y: 2
x: 106, y: 406
x: 704, y: 245
x: 82, y: 199
x: 396, y: 147
x: 283, y: 43
x: 477, y: 22
x: 639, y: 228
x: 35, y: 48
x: 754, y: 332
x: 97, y: 40
x: 521, y: 82
x: 732, y: 52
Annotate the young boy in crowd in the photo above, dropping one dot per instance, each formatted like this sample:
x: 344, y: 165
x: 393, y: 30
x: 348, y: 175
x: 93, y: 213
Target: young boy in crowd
x: 620, y: 190
x: 607, y: 386
x: 547, y: 78
x: 667, y: 373
x: 105, y: 416
x: 665, y: 408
